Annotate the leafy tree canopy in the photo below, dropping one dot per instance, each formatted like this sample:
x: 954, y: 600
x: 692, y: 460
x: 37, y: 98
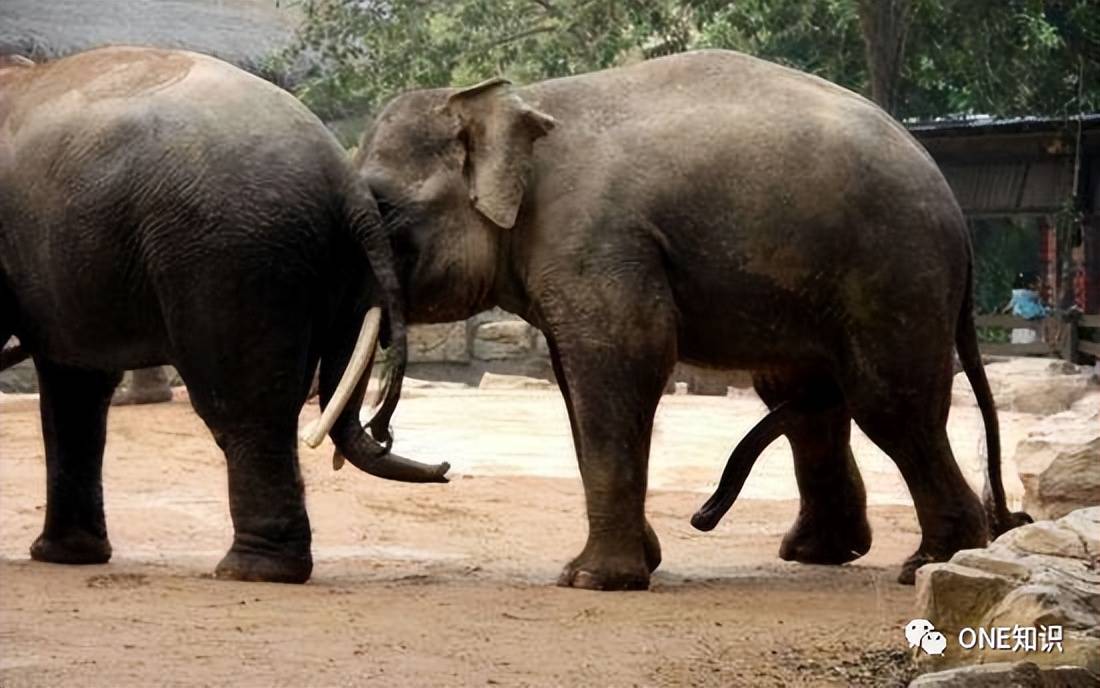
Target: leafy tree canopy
x: 999, y: 57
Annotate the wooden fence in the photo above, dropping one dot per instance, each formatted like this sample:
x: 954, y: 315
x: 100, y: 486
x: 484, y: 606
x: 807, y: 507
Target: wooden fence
x: 1073, y: 337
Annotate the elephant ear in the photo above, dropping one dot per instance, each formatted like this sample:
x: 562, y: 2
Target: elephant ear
x: 498, y: 130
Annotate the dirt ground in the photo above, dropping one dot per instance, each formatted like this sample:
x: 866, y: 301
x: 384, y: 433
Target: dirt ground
x: 453, y: 584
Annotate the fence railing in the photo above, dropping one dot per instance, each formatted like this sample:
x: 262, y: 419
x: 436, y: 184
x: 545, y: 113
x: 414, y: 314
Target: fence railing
x: 1072, y: 336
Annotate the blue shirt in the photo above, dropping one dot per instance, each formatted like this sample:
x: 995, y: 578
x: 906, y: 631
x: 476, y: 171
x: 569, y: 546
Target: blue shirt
x: 1025, y: 304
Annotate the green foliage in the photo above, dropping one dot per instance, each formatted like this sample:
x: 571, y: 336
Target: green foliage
x: 821, y: 36
x: 1003, y: 248
x: 365, y: 51
x: 1003, y: 57
x: 1000, y: 57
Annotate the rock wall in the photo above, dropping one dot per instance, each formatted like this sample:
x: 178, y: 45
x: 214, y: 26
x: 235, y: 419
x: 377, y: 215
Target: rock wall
x: 495, y: 342
x: 500, y: 343
x: 1038, y: 574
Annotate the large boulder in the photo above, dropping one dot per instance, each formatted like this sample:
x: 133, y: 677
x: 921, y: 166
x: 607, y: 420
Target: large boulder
x: 19, y: 379
x: 1059, y: 462
x: 503, y: 339
x: 1039, y: 575
x: 1009, y: 675
x: 1030, y: 385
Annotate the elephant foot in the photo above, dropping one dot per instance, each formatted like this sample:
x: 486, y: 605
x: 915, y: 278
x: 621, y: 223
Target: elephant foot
x: 652, y: 548
x: 264, y: 567
x: 77, y: 547
x: 133, y: 397
x: 826, y: 540
x: 599, y: 568
x: 589, y: 574
x: 971, y: 537
x: 908, y: 575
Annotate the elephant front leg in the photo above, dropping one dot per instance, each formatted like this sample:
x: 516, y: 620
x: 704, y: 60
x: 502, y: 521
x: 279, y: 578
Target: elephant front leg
x: 612, y: 379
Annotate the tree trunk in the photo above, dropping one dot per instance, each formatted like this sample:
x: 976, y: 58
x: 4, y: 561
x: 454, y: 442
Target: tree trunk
x: 885, y: 24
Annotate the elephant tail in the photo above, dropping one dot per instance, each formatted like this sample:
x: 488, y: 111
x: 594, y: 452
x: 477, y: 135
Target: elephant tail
x: 998, y: 516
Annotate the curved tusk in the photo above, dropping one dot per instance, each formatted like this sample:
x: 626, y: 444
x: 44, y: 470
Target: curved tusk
x: 373, y: 399
x: 313, y: 433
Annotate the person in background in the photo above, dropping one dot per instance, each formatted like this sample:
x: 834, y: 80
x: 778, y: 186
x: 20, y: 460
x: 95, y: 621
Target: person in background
x: 1026, y: 304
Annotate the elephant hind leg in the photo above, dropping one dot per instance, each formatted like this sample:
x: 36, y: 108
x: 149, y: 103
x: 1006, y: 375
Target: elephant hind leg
x: 256, y: 428
x: 907, y: 419
x: 74, y: 405
x: 248, y: 386
x: 271, y: 532
x: 831, y: 527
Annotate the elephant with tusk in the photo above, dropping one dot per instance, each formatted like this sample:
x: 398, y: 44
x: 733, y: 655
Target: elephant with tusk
x: 163, y: 207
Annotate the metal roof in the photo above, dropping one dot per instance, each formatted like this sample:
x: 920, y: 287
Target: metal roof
x: 241, y: 31
x: 986, y: 124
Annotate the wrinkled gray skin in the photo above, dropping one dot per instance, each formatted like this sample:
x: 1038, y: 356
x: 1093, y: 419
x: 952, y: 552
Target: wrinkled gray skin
x: 165, y: 207
x: 713, y: 208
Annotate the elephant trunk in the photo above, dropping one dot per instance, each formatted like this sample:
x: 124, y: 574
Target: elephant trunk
x: 366, y: 227
x: 347, y: 433
x: 345, y: 371
x: 363, y: 452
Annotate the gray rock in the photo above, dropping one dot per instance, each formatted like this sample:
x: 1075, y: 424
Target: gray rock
x: 1029, y: 385
x: 1009, y: 675
x: 1045, y: 573
x: 502, y: 339
x: 1059, y: 464
x: 19, y: 379
x: 443, y: 343
x: 952, y: 595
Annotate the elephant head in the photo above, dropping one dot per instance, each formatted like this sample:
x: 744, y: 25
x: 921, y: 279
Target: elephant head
x: 450, y: 169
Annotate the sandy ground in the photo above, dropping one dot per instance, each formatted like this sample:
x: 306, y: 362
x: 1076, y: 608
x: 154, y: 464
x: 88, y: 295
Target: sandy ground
x: 453, y: 584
